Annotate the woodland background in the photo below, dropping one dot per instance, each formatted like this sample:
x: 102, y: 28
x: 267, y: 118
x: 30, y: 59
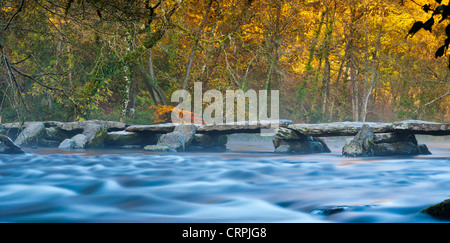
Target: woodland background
x: 332, y: 60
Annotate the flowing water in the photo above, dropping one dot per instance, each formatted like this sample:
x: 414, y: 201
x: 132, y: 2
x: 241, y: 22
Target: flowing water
x: 248, y: 183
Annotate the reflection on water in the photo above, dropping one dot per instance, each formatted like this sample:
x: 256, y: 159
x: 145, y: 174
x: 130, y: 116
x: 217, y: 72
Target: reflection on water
x: 245, y: 184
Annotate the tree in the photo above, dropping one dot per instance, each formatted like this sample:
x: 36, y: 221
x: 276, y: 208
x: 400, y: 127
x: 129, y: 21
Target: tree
x: 439, y: 13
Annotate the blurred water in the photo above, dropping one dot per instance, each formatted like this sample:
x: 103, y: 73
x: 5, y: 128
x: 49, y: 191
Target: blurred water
x: 234, y: 186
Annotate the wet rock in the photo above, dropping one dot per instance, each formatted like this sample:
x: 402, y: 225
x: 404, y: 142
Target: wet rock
x: 283, y: 149
x: 422, y: 127
x: 96, y: 135
x: 300, y: 146
x: 131, y: 146
x: 338, y: 128
x: 242, y: 127
x: 366, y: 144
x: 188, y: 131
x: 81, y: 125
x: 362, y: 145
x: 67, y: 144
x: 174, y: 140
x: 2, y: 145
x: 49, y: 143
x: 393, y: 137
x: 440, y: 210
x: 331, y: 210
x: 80, y: 141
x: 423, y: 149
x: 157, y: 128
x: 305, y: 145
x: 122, y: 138
x: 396, y: 148
x: 159, y: 148
x: 7, y: 146
x: 31, y: 135
x: 205, y: 142
x: 289, y: 134
x: 55, y: 134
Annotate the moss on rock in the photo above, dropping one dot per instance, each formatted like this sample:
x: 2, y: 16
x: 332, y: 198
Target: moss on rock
x: 440, y: 210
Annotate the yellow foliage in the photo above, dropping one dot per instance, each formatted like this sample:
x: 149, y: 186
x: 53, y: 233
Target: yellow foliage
x: 163, y: 113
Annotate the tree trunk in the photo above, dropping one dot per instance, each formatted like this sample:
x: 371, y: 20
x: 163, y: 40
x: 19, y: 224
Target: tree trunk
x: 355, y: 96
x: 327, y: 68
x: 126, y: 96
x: 131, y: 106
x: 157, y: 95
x: 195, y: 44
x: 374, y: 70
x: 218, y: 50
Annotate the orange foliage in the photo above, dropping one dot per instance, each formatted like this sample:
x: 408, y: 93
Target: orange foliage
x: 163, y: 114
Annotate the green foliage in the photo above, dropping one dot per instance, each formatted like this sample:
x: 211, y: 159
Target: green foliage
x: 329, y: 59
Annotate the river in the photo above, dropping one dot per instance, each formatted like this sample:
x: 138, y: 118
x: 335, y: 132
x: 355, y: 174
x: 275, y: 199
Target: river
x: 247, y: 183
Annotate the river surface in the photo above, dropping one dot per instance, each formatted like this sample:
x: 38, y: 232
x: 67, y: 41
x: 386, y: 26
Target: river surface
x: 248, y: 183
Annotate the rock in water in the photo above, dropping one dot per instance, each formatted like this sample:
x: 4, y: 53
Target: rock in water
x: 423, y: 149
x: 7, y: 146
x: 362, y: 145
x: 289, y: 134
x: 207, y: 142
x: 397, y: 148
x: 440, y: 210
x: 54, y: 134
x: 188, y: 131
x: 325, y: 148
x: 96, y: 135
x: 366, y: 144
x: 310, y: 146
x: 174, y: 140
x: 122, y: 138
x: 289, y: 141
x: 159, y: 148
x: 283, y: 149
x: 80, y: 141
x: 31, y: 135
x: 67, y: 144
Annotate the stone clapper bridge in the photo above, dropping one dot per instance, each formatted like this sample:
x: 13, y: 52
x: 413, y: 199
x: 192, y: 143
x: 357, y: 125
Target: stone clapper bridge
x: 370, y: 139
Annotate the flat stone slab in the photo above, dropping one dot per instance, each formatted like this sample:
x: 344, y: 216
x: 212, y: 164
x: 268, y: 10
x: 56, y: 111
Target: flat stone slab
x: 17, y: 125
x: 422, y: 127
x: 70, y: 126
x: 338, y: 128
x: 352, y: 128
x: 227, y: 128
x: 243, y: 127
x: 157, y: 128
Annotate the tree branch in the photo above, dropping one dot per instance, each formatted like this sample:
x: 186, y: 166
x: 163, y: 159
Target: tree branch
x: 14, y: 15
x: 431, y: 102
x: 45, y: 86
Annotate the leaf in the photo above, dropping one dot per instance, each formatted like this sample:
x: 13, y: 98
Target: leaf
x: 440, y: 51
x: 415, y: 28
x: 429, y: 24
